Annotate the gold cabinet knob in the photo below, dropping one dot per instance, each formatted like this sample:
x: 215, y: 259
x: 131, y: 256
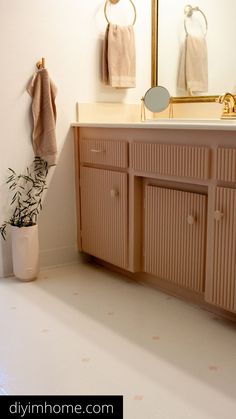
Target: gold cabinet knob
x: 114, y: 193
x: 218, y: 215
x: 97, y: 150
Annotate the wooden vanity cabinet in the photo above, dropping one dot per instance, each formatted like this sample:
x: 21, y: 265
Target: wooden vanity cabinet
x: 174, y: 247
x: 221, y: 284
x: 223, y: 281
x: 104, y: 214
x: 175, y: 236
x: 103, y: 199
x: 161, y: 203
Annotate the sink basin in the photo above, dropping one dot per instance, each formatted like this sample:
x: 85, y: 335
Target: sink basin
x: 192, y: 121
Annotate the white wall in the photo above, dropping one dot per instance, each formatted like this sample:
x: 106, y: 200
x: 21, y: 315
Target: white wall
x: 221, y: 57
x: 68, y: 33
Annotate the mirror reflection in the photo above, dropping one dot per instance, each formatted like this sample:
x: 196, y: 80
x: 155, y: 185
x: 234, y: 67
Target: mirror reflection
x: 157, y: 99
x: 195, y: 56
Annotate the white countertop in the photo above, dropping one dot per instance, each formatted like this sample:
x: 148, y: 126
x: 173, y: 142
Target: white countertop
x: 201, y: 124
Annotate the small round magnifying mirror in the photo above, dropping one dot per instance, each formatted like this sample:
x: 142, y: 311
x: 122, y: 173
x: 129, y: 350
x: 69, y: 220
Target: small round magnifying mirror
x: 157, y: 99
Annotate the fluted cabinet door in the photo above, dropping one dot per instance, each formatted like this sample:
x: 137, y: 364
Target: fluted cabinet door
x: 175, y: 235
x: 222, y: 286
x: 104, y: 214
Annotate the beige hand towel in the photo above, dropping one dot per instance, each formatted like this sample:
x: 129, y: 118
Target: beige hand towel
x: 119, y: 59
x: 193, y: 66
x: 43, y: 92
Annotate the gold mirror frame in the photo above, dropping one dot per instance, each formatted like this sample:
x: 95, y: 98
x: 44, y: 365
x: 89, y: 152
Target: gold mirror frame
x: 154, y: 75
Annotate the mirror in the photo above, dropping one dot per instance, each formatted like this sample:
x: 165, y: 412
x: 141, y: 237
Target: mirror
x: 168, y: 34
x: 157, y: 99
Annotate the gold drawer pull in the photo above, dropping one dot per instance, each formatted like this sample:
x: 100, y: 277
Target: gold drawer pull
x: 191, y: 219
x: 218, y: 215
x: 114, y: 193
x: 97, y: 150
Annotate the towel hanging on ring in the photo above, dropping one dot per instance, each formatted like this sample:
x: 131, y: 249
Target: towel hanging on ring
x: 119, y: 57
x: 193, y: 65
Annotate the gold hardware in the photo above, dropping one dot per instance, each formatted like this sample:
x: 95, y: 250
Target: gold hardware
x: 171, y: 109
x: 41, y: 64
x: 115, y: 2
x: 143, y: 110
x: 96, y: 150
x: 188, y: 11
x: 229, y: 109
x: 154, y: 71
x: 218, y: 215
x: 190, y: 219
x: 114, y: 193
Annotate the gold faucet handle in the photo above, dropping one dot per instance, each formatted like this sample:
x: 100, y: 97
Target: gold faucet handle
x: 227, y: 97
x: 219, y: 99
x: 229, y: 110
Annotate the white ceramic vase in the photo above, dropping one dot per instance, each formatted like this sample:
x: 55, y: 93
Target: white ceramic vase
x: 25, y: 252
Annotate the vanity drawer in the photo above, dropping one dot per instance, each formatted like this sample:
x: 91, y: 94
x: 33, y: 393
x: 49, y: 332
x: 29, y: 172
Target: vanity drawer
x: 171, y: 160
x: 104, y: 152
x: 226, y: 164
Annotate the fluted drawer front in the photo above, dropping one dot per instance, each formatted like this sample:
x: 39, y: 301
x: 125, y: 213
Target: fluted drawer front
x: 174, y: 240
x: 171, y: 160
x: 104, y: 152
x: 104, y: 214
x: 223, y: 286
x: 226, y: 164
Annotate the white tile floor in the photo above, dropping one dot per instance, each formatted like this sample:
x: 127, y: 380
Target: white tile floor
x: 83, y: 330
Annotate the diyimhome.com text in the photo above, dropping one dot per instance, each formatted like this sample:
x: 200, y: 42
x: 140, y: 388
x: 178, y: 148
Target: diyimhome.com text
x: 65, y: 409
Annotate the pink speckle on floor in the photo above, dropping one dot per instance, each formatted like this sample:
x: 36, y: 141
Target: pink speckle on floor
x: 138, y: 397
x: 213, y: 367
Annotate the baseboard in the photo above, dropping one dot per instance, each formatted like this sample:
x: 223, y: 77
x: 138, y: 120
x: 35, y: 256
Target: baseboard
x: 59, y: 256
x: 48, y: 258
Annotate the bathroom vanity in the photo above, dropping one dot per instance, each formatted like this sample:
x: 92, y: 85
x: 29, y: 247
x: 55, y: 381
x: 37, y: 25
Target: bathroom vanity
x: 158, y: 201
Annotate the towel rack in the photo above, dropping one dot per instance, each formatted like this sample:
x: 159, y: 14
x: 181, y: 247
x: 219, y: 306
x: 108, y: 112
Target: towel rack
x: 114, y: 2
x: 41, y: 64
x: 188, y: 11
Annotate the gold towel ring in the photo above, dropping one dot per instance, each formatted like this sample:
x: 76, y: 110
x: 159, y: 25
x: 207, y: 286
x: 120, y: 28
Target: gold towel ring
x: 114, y: 2
x: 188, y: 11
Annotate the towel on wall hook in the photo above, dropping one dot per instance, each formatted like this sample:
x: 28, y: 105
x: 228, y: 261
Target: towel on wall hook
x: 43, y: 92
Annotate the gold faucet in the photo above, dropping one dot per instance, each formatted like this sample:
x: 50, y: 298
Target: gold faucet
x: 229, y: 110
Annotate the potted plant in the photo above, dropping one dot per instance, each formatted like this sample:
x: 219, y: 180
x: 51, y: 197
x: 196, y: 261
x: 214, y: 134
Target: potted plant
x: 26, y: 202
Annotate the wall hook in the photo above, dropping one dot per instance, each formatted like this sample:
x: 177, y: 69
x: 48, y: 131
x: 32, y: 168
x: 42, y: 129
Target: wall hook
x: 41, y: 64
